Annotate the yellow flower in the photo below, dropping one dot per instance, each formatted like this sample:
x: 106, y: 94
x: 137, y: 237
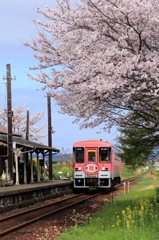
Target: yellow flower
x: 118, y: 224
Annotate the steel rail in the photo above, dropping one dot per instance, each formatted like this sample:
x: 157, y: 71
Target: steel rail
x: 37, y: 208
x: 20, y: 226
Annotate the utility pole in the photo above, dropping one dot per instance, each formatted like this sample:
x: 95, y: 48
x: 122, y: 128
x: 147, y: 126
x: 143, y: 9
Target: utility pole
x: 26, y: 154
x: 27, y: 126
x: 9, y: 114
x: 49, y: 135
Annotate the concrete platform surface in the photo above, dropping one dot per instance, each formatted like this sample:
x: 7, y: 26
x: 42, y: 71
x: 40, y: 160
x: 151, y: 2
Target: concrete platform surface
x: 32, y: 186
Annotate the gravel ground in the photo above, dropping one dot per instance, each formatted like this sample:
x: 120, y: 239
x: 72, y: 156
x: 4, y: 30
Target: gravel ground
x: 52, y: 227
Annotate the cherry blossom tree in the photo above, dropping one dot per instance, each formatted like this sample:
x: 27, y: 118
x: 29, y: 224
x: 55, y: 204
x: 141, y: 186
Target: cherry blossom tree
x: 36, y: 132
x: 102, y: 60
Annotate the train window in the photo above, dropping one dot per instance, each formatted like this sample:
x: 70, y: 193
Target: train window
x: 91, y: 156
x: 104, y: 154
x: 78, y: 155
x: 116, y: 152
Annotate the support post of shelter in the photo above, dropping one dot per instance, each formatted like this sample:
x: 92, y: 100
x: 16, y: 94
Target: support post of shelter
x: 44, y: 173
x: 6, y: 164
x: 38, y: 168
x: 44, y: 167
x: 31, y: 166
x: 16, y: 168
x: 25, y: 173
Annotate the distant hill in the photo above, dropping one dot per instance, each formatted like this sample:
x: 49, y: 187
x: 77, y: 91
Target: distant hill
x: 61, y: 157
x: 56, y: 157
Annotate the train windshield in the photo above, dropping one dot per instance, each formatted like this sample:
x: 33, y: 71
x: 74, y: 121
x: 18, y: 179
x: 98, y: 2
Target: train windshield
x: 78, y: 155
x: 91, y: 156
x: 104, y: 154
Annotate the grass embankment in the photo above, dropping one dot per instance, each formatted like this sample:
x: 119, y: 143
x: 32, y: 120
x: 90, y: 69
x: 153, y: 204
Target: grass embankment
x: 133, y: 216
x: 128, y: 172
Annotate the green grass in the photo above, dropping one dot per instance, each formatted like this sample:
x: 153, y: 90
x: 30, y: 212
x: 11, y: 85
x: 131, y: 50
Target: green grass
x: 133, y: 216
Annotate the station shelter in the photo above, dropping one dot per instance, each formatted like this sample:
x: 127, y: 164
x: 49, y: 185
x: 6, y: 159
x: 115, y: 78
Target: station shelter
x: 23, y: 151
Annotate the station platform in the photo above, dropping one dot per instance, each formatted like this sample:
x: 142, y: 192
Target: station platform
x: 22, y: 195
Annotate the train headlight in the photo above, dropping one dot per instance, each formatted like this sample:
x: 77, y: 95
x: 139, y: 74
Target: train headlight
x: 78, y: 169
x: 104, y: 169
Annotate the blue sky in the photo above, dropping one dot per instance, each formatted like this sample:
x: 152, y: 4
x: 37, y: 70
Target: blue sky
x: 15, y: 24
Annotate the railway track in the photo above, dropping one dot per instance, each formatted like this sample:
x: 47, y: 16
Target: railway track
x: 34, y: 215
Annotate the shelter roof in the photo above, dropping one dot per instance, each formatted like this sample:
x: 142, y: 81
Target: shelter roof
x: 29, y: 145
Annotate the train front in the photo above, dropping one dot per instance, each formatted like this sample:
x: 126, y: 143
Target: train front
x: 92, y: 165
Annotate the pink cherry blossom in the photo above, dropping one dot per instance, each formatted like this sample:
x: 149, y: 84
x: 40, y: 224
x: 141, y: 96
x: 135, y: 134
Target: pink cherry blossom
x: 99, y: 59
x: 36, y: 132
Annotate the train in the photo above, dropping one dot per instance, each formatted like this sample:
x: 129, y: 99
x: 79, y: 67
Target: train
x: 96, y: 164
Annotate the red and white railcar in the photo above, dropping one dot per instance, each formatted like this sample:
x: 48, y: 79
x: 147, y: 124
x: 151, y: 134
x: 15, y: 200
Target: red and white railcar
x: 96, y: 164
